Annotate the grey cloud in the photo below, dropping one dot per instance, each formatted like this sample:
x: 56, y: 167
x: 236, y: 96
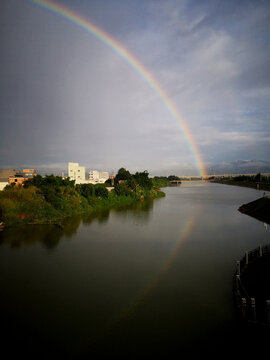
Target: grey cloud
x: 66, y: 96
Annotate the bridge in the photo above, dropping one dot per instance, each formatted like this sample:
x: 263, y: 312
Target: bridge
x: 175, y: 182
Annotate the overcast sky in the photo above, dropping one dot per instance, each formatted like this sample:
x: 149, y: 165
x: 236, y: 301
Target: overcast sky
x: 65, y: 96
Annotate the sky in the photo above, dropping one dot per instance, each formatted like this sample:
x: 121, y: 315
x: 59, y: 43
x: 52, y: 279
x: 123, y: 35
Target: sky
x: 66, y: 96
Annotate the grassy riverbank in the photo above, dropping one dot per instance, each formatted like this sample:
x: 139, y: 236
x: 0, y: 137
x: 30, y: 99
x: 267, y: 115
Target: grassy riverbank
x: 29, y: 206
x: 51, y: 199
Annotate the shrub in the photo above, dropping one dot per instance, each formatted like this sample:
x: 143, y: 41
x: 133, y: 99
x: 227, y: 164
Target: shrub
x: 101, y: 191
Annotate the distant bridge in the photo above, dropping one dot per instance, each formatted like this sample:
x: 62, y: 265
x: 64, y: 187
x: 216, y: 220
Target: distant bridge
x: 175, y: 182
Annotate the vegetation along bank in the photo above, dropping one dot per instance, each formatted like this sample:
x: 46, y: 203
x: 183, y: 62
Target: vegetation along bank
x: 258, y: 181
x: 50, y: 199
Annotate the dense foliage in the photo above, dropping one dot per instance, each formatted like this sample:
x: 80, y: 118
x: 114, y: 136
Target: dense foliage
x: 161, y: 181
x: 257, y: 181
x: 51, y: 198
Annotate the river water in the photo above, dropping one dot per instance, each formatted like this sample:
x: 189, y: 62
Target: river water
x: 153, y: 277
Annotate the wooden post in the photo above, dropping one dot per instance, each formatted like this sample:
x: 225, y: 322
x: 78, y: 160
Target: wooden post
x: 253, y: 309
x: 260, y: 250
x: 238, y: 267
x: 237, y: 282
x: 268, y: 311
x: 244, y: 308
x: 246, y: 257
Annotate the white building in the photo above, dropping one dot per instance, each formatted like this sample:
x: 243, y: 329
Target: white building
x: 96, y: 177
x: 3, y: 184
x: 76, y: 172
x: 104, y: 175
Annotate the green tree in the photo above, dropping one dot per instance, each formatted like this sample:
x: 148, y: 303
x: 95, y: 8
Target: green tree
x: 101, y: 191
x: 122, y: 190
x: 143, y: 180
x: 173, y: 177
x: 122, y: 174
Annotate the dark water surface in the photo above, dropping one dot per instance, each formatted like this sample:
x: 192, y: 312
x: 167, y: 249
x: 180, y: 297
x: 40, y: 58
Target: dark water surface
x: 154, y: 277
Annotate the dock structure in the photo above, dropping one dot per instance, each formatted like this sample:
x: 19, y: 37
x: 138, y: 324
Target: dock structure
x: 255, y: 307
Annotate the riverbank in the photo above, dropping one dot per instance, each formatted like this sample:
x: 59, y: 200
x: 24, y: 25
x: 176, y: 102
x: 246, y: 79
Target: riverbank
x: 259, y: 209
x: 21, y: 206
x: 249, y: 184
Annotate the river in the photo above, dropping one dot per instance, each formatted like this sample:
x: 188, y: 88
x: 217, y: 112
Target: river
x: 155, y: 277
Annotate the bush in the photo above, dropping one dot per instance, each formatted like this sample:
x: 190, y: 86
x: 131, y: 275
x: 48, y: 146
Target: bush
x: 101, y: 191
x: 86, y: 190
x: 122, y: 190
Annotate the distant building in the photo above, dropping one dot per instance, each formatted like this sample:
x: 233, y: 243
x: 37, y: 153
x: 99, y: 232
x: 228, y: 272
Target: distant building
x: 6, y: 173
x: 104, y: 175
x: 96, y: 177
x: 112, y: 177
x: 17, y: 179
x: 29, y: 173
x: 76, y: 172
x: 8, y: 177
x: 3, y: 183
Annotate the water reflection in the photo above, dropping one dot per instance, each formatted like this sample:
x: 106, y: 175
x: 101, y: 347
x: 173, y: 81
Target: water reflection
x: 48, y: 235
x: 101, y: 216
x: 140, y: 211
x: 153, y: 275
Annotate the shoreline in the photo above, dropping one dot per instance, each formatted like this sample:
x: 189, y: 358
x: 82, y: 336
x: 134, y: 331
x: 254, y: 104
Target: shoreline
x: 251, y: 185
x: 57, y: 216
x: 258, y: 209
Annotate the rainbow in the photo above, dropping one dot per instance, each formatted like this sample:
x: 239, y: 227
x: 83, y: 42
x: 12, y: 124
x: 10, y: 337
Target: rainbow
x: 154, y: 283
x: 109, y: 41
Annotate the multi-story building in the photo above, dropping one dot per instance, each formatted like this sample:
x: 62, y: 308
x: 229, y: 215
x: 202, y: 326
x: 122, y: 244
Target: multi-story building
x: 94, y: 176
x: 104, y: 175
x: 76, y: 172
x: 98, y: 177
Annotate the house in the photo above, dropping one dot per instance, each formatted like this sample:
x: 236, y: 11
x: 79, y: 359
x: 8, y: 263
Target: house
x: 17, y: 179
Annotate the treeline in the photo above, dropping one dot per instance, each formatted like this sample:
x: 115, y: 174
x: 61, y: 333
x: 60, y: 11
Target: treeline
x: 50, y: 198
x: 258, y: 178
x: 257, y: 181
x: 255, y: 178
x: 126, y: 182
x: 164, y: 181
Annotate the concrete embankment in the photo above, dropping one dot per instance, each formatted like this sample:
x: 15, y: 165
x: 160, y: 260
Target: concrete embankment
x: 259, y: 209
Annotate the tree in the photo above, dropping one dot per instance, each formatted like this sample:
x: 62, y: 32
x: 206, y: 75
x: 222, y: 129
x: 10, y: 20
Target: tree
x: 173, y: 177
x: 122, y: 174
x: 143, y: 180
x: 122, y: 190
x: 101, y: 191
